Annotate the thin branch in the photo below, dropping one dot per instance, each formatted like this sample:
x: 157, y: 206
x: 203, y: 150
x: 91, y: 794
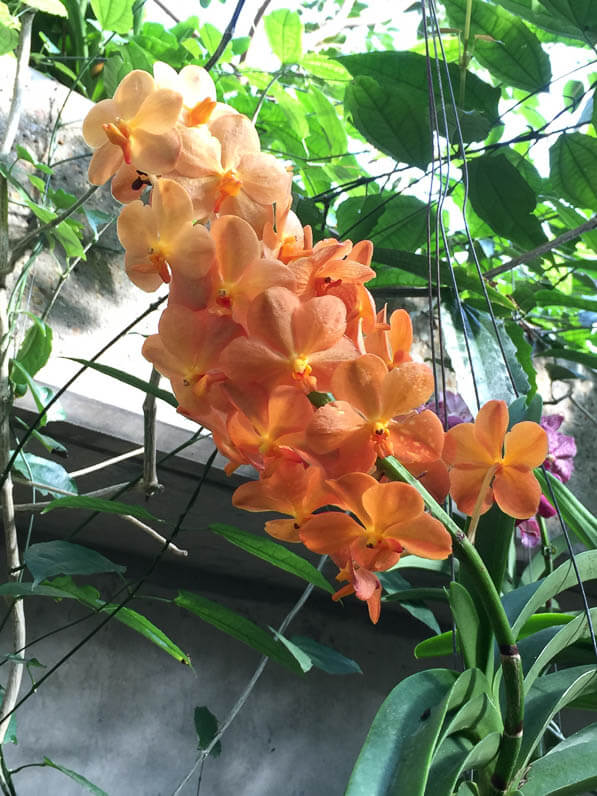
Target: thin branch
x: 23, y: 52
x: 227, y: 35
x: 256, y: 20
x: 106, y: 463
x: 151, y: 484
x: 570, y: 234
x: 25, y: 242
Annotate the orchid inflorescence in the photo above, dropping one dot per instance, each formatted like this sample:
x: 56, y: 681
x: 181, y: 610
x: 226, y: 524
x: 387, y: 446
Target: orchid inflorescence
x: 261, y: 324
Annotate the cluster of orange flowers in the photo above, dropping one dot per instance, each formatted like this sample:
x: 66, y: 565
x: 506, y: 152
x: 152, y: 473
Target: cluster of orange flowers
x: 261, y: 323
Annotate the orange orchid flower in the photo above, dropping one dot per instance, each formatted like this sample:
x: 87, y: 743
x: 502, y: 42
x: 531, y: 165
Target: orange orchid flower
x: 488, y: 463
x: 135, y: 127
x: 331, y: 264
x: 266, y: 427
x: 162, y: 236
x: 289, y: 341
x: 388, y: 519
x: 291, y: 489
x: 374, y: 412
x: 284, y: 237
x: 239, y: 273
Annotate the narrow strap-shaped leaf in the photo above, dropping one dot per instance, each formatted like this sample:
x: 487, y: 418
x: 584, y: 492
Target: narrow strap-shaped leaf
x: 581, y: 521
x: 128, y: 378
x: 455, y: 755
x: 467, y: 623
x: 237, y: 626
x: 273, y: 553
x: 569, y: 768
x: 85, y: 503
x: 78, y: 778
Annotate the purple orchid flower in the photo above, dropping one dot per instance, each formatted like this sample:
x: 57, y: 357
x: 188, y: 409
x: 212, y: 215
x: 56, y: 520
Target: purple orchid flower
x: 455, y: 408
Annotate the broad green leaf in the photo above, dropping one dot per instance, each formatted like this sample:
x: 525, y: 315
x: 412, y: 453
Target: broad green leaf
x: 569, y: 768
x: 405, y: 711
x: 85, y: 503
x: 515, y: 55
x: 273, y: 553
x: 502, y: 198
x: 533, y: 11
x: 573, y: 631
x: 303, y: 660
x: 9, y: 37
x: 58, y: 557
x: 478, y: 716
x: 524, y: 353
x: 572, y: 218
x: 237, y: 626
x: 325, y: 68
x: 206, y: 726
x: 127, y: 378
x: 24, y: 589
x: 284, y: 31
x: 573, y: 169
x: 582, y: 357
x: 328, y: 119
x: 34, y: 351
x: 293, y: 109
x: 78, y: 778
x: 325, y: 658
x: 402, y: 224
x: 455, y: 755
x: 114, y: 15
x: 574, y: 90
x: 466, y: 619
x: 576, y: 515
x: 44, y: 471
x: 548, y: 695
x: 581, y: 14
x: 555, y: 298
x: 54, y: 7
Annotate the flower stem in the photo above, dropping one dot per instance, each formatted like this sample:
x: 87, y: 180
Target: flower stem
x: 510, y: 658
x: 472, y: 528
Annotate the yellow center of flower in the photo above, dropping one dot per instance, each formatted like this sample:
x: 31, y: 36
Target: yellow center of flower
x: 301, y: 368
x: 158, y: 259
x: 199, y: 113
x: 229, y: 185
x: 381, y: 438
x: 224, y: 298
x: 119, y: 133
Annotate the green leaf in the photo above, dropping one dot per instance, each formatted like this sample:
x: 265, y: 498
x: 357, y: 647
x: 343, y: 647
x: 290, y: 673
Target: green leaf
x: 582, y: 357
x: 325, y: 68
x: 10, y: 736
x: 303, y: 660
x: 555, y: 298
x: 405, y: 712
x: 127, y: 378
x: 9, y: 39
x: 44, y: 471
x: 55, y: 7
x: 273, y: 553
x: 45, y: 559
x: 569, y: 768
x: 548, y: 695
x: 576, y: 515
x: 535, y: 569
x: 34, y: 351
x: 78, y: 778
x: 402, y: 224
x: 114, y: 15
x: 581, y: 14
x: 573, y: 169
x: 325, y: 658
x: 237, y: 626
x: 89, y: 596
x: 524, y: 353
x: 466, y: 619
x: 502, y: 198
x: 515, y: 56
x: 284, y: 31
x: 206, y: 726
x: 455, y: 755
x: 85, y: 503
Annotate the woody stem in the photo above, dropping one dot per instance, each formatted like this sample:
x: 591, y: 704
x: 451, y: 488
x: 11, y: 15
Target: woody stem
x: 472, y: 528
x: 510, y: 658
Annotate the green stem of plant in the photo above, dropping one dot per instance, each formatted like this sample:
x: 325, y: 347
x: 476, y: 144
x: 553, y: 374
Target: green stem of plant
x: 510, y: 658
x: 464, y: 58
x: 547, y: 552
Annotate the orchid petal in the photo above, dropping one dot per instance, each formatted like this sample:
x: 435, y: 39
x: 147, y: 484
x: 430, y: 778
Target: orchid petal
x: 132, y: 92
x: 318, y: 324
x: 159, y: 112
x: 104, y: 112
x: 525, y: 445
x: 516, y: 492
x: 154, y: 154
x: 423, y: 536
x: 465, y: 486
x: 329, y: 532
x: 236, y: 245
x: 359, y: 382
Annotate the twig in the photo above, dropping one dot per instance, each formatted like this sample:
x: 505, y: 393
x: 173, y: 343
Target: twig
x: 106, y: 463
x: 543, y: 249
x: 256, y: 20
x: 23, y: 52
x: 151, y: 484
x: 237, y: 707
x: 580, y: 408
x: 227, y: 35
x: 331, y: 28
x: 24, y: 243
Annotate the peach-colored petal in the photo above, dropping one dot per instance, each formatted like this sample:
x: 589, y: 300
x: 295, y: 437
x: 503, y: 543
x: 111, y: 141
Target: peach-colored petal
x: 465, y: 486
x: 137, y: 228
x: 525, y: 445
x: 405, y: 388
x: 105, y: 162
x: 163, y: 360
x: 172, y: 207
x: 104, y: 112
x: 236, y: 245
x: 362, y: 252
x: 417, y: 437
x: 154, y: 154
x: 237, y: 136
x: 423, y: 536
x: 325, y: 362
x: 333, y: 424
x: 433, y: 476
x: 516, y: 492
x: 490, y: 426
x: 128, y: 184
x: 134, y: 88
x: 244, y: 360
x: 391, y: 503
x: 192, y: 252
x: 196, y: 338
x: 329, y: 532
x: 401, y: 336
x: 270, y: 318
x: 165, y: 76
x: 192, y: 293
x: 350, y: 490
x: 200, y: 153
x: 461, y: 447
x: 318, y: 324
x: 264, y: 178
x: 143, y: 275
x: 284, y: 530
x: 243, y: 206
x: 159, y: 112
x: 359, y: 382
x: 196, y: 84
